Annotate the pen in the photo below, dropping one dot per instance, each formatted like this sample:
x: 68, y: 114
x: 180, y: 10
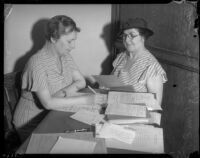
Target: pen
x: 78, y: 130
x: 92, y: 90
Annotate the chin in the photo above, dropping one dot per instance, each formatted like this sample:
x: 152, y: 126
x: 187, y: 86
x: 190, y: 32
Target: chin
x: 130, y: 49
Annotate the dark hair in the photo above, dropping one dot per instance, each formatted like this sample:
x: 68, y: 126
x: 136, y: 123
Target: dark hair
x: 56, y: 26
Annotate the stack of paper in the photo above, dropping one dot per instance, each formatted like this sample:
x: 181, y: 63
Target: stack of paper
x: 147, y: 139
x: 147, y: 99
x: 129, y: 108
x: 153, y: 118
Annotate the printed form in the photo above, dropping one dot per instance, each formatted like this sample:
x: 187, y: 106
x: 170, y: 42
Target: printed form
x: 68, y: 145
x: 117, y: 132
x: 88, y: 117
x: 147, y: 139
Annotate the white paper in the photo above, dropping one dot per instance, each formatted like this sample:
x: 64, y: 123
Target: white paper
x: 147, y: 139
x: 155, y: 117
x: 88, y: 117
x: 129, y: 121
x: 126, y: 110
x: 67, y: 145
x: 117, y: 132
x: 147, y: 99
x: 76, y: 108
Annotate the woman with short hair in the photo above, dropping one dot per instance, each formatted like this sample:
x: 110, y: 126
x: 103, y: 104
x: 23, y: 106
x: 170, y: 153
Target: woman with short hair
x: 51, y: 78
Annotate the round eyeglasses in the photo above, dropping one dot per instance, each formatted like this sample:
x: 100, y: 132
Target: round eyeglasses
x: 130, y: 36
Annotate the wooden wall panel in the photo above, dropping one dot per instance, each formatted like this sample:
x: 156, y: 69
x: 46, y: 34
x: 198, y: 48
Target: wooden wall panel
x: 172, y: 23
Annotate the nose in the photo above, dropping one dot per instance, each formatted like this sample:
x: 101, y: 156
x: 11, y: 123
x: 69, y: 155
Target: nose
x: 127, y: 40
x: 72, y: 45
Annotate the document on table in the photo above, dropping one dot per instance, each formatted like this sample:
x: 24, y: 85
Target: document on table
x: 108, y: 130
x: 68, y: 145
x: 129, y: 121
x: 88, y: 117
x: 147, y: 99
x: 147, y: 139
x: 43, y: 143
x: 76, y: 108
x: 154, y: 117
x: 126, y: 110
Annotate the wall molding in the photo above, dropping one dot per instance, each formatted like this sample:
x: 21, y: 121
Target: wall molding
x: 172, y: 58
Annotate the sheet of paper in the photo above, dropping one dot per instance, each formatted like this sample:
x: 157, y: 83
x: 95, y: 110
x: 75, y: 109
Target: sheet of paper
x: 108, y: 81
x: 129, y: 121
x: 147, y: 99
x: 117, y: 132
x: 126, y: 110
x: 138, y: 126
x: 155, y: 117
x: 76, y: 108
x: 147, y: 139
x: 88, y: 117
x: 43, y: 143
x: 68, y: 145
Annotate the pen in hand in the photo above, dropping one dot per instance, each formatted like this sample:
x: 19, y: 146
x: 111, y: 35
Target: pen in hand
x: 92, y: 90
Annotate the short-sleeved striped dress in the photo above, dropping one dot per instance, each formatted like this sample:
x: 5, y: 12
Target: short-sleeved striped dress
x: 135, y: 72
x: 41, y: 71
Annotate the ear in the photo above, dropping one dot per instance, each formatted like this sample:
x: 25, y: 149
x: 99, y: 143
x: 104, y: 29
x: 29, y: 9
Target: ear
x: 143, y: 39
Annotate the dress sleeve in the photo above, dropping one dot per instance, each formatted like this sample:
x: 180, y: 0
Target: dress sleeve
x: 34, y: 76
x: 69, y: 61
x: 153, y: 70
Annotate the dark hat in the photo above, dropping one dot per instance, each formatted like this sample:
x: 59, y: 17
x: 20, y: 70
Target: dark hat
x: 136, y: 23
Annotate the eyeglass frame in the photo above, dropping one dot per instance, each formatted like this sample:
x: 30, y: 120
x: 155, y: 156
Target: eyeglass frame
x: 130, y: 36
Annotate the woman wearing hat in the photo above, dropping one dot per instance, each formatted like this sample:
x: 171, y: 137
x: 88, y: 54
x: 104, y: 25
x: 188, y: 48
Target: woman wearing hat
x: 136, y: 66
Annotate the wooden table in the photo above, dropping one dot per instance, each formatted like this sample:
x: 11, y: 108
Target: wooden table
x: 59, y: 122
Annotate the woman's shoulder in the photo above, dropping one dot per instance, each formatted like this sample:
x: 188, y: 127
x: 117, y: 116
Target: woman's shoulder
x: 150, y: 58
x: 37, y: 59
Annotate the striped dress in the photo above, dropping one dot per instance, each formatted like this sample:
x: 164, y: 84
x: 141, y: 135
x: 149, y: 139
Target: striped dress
x: 135, y: 72
x: 41, y: 71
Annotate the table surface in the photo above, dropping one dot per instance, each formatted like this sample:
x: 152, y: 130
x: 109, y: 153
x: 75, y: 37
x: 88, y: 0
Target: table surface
x: 59, y: 122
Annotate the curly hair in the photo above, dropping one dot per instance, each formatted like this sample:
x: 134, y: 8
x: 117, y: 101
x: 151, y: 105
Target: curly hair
x: 57, y: 25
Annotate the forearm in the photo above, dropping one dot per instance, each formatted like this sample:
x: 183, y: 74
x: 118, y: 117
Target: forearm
x: 74, y: 87
x: 54, y: 102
